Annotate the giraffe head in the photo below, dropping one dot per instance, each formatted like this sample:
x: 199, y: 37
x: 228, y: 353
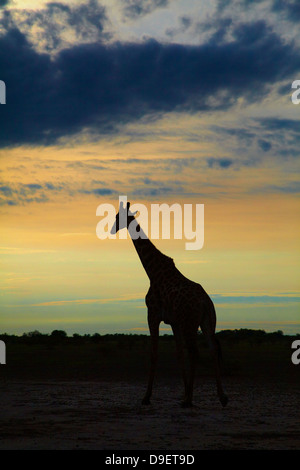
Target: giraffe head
x: 123, y: 218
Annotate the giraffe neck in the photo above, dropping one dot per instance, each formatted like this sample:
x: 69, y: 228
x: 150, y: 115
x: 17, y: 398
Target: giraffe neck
x: 151, y: 258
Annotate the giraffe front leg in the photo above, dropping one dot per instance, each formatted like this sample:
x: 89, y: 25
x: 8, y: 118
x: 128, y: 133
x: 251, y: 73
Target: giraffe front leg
x: 154, y: 332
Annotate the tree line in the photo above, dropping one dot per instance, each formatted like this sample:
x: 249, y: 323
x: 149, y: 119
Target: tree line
x: 58, y: 336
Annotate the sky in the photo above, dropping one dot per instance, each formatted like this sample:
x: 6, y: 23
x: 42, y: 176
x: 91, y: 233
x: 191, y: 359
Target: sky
x: 164, y: 101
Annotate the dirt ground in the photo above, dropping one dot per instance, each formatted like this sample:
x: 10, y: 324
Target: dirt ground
x: 108, y: 416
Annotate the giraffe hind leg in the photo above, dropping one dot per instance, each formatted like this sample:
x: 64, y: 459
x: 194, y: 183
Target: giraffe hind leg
x: 154, y: 334
x: 193, y: 355
x: 215, y: 350
x: 208, y: 327
x: 223, y: 397
x: 179, y: 341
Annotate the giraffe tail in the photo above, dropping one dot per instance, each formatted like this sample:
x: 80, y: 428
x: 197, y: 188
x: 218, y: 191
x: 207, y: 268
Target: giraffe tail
x: 223, y: 397
x: 219, y: 350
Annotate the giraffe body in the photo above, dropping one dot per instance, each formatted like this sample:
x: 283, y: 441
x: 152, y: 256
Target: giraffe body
x: 180, y: 299
x: 177, y: 301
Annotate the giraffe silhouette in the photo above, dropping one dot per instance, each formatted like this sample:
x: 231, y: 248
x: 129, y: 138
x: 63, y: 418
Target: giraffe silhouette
x: 177, y: 301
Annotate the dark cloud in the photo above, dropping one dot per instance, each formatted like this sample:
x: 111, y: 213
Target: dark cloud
x: 175, y: 184
x: 137, y: 8
x: 6, y: 190
x: 99, y: 88
x: 279, y: 136
x: 33, y: 186
x: 285, y: 89
x: 50, y: 186
x: 21, y: 194
x: 99, y: 191
x: 184, y: 24
x: 289, y: 152
x: 249, y: 299
x: 222, y: 5
x: 291, y: 188
x: 223, y: 23
x: 185, y: 21
x: 15, y: 195
x: 51, y: 26
x: 291, y: 8
x: 283, y: 132
x: 277, y: 124
x: 217, y: 27
x: 154, y: 192
x: 264, y: 145
x: 238, y: 132
x: 4, y: 3
x: 252, y: 33
x: 86, y: 166
x: 219, y: 162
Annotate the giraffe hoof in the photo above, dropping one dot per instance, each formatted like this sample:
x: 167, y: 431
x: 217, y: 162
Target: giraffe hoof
x: 224, y: 399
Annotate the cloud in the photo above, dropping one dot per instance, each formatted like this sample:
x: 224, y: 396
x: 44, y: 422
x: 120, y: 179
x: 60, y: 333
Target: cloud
x: 284, y: 134
x: 137, y: 8
x: 293, y: 187
x: 99, y: 191
x: 149, y: 181
x: 264, y: 145
x: 222, y: 5
x: 184, y: 24
x: 240, y: 133
x: 4, y: 3
x: 54, y: 26
x: 217, y: 28
x: 154, y: 192
x: 278, y: 137
x: 98, y: 88
x: 87, y: 165
x: 219, y: 162
x: 125, y: 298
x: 20, y: 194
x: 291, y: 9
x: 6, y: 190
x: 282, y: 15
x: 255, y: 298
x: 33, y: 186
x: 275, y: 124
x: 13, y: 250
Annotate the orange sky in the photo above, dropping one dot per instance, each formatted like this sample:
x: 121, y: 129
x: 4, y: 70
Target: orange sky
x: 55, y: 269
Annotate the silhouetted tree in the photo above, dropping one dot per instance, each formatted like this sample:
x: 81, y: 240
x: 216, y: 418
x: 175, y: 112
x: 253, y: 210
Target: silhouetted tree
x: 59, y: 334
x: 33, y: 334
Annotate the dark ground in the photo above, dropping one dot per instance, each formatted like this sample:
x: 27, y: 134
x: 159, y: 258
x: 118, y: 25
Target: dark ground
x: 86, y: 394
